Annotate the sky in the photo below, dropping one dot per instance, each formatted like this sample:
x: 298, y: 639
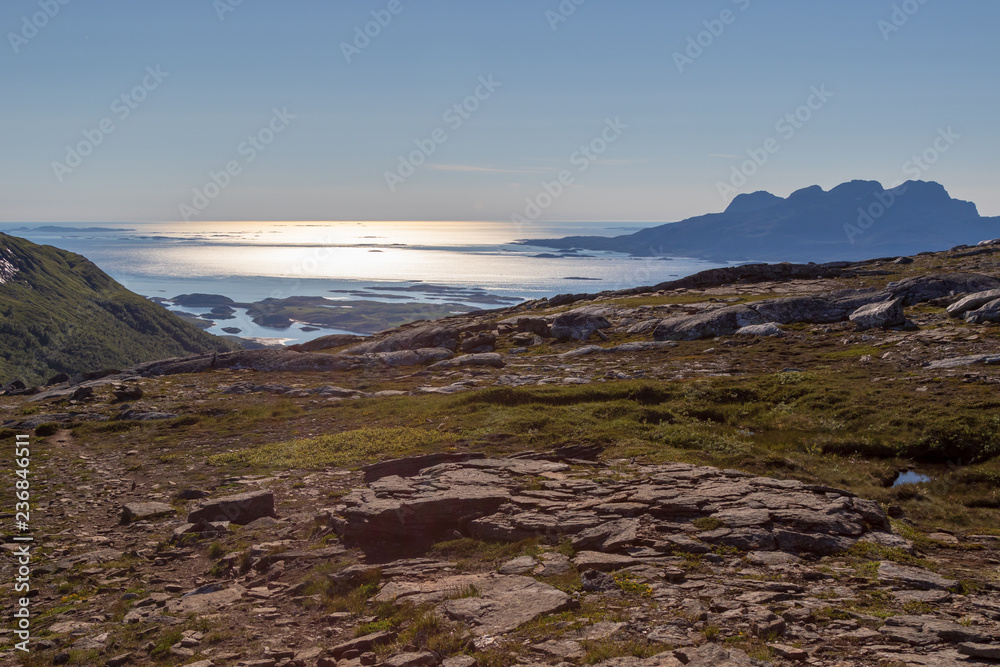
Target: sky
x: 589, y: 110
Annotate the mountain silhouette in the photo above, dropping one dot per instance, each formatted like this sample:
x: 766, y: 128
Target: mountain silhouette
x: 853, y: 221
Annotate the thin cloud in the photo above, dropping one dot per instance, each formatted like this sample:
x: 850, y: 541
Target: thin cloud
x: 728, y: 157
x: 475, y: 168
x: 615, y: 163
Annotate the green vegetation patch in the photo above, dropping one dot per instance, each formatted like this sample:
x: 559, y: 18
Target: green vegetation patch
x: 338, y: 449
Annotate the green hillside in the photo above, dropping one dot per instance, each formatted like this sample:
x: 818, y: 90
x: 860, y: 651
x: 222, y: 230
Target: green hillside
x: 59, y: 313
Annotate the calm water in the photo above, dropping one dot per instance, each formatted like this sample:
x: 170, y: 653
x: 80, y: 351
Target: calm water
x: 253, y: 260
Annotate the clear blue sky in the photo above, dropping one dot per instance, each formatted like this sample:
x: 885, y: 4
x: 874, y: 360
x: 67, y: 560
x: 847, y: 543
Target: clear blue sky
x: 892, y: 93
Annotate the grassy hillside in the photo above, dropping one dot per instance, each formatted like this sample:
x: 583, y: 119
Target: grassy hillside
x: 59, y: 313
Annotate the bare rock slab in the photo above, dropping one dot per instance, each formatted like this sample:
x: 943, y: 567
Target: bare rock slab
x: 505, y: 603
x: 595, y: 560
x: 912, y: 577
x: 205, y: 603
x: 241, y: 508
x: 489, y: 499
x: 986, y: 651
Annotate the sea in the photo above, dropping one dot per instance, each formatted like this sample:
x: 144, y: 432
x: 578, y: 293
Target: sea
x: 478, y: 264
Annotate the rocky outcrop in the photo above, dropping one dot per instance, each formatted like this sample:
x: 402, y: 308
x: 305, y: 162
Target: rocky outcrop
x: 412, y: 338
x: 834, y: 307
x: 421, y: 355
x: 709, y: 324
x: 924, y: 288
x: 487, y: 499
x: 257, y: 360
x: 326, y: 342
x: 413, y: 510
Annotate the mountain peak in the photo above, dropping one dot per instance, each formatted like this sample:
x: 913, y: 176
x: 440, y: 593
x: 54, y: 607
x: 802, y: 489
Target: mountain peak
x: 811, y: 192
x: 752, y: 202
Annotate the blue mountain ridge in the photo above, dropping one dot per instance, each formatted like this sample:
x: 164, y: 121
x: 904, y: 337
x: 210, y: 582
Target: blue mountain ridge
x: 853, y: 221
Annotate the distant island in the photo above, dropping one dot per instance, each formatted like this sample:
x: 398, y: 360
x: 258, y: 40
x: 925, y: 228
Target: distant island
x: 853, y: 221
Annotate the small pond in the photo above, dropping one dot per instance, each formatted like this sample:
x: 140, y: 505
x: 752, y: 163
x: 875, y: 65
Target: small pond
x: 910, y: 477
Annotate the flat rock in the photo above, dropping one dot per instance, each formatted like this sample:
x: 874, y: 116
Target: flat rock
x: 772, y: 558
x: 912, y: 577
x: 968, y: 360
x: 714, y: 655
x: 411, y: 659
x: 564, y: 649
x: 602, y: 562
x: 505, y: 603
x: 205, y: 603
x: 435, y: 590
x: 519, y: 565
x: 985, y: 651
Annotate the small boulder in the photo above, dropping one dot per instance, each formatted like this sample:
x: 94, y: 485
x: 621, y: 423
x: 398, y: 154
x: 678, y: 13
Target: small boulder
x: 421, y: 659
x: 241, y: 508
x: 123, y: 394
x: 883, y: 314
x: 578, y: 325
x: 989, y: 312
x: 132, y: 512
x: 973, y: 302
x: 480, y: 343
x: 533, y: 325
